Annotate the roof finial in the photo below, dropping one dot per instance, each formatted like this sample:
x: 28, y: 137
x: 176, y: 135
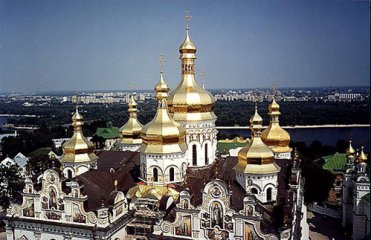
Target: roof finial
x: 115, y: 183
x: 187, y: 17
x: 202, y: 77
x: 256, y: 107
x: 161, y: 61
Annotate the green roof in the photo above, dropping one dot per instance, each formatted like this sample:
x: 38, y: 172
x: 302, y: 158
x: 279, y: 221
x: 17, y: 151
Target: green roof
x: 40, y: 152
x: 108, y: 133
x: 335, y: 162
x: 225, y: 146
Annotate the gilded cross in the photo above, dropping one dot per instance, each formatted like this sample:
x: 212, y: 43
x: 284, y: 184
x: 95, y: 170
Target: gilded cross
x: 161, y: 61
x: 187, y: 17
x: 202, y: 77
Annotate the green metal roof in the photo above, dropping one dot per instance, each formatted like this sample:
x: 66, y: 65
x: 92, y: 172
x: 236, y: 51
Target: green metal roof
x: 224, y: 146
x: 334, y: 163
x: 40, y: 152
x: 108, y: 133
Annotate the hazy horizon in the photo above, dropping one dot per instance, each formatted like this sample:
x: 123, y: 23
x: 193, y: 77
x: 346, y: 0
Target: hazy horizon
x: 111, y: 45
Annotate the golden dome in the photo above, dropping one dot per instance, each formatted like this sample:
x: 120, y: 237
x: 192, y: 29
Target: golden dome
x: 362, y: 156
x: 256, y: 157
x: 350, y: 150
x: 188, y: 101
x: 78, y: 148
x: 163, y: 134
x: 274, y: 136
x: 187, y: 45
x: 130, y: 132
x: 145, y: 191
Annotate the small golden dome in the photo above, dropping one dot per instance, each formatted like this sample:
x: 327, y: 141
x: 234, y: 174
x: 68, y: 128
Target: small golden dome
x: 187, y: 45
x: 161, y: 88
x: 130, y: 132
x: 78, y: 148
x: 274, y: 107
x: 274, y: 136
x: 256, y: 157
x: 163, y: 134
x: 362, y: 156
x: 350, y: 150
x: 188, y: 101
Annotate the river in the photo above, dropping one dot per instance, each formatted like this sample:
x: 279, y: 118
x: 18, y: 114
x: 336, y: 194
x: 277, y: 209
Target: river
x: 328, y: 136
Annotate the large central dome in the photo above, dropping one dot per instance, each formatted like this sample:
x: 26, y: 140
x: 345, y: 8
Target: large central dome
x: 188, y: 101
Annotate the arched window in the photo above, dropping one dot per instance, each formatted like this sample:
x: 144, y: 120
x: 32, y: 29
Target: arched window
x: 69, y: 173
x: 155, y: 175
x: 269, y: 194
x: 171, y: 172
x: 194, y: 155
x: 254, y: 191
x: 206, y: 155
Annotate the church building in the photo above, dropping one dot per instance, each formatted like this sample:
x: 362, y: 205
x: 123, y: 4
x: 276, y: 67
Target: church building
x: 169, y: 181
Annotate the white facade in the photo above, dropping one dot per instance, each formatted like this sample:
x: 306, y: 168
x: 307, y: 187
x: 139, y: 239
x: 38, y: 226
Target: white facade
x: 201, y: 141
x: 72, y: 169
x: 162, y: 169
x: 263, y: 186
x: 356, y: 206
x: 128, y: 147
x: 214, y: 218
x: 53, y: 214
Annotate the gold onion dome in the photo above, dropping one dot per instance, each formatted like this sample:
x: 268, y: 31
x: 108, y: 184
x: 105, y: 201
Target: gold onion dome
x: 130, y: 132
x: 256, y: 157
x: 362, y: 158
x: 274, y: 136
x: 78, y: 148
x: 188, y: 101
x: 163, y: 134
x: 350, y: 150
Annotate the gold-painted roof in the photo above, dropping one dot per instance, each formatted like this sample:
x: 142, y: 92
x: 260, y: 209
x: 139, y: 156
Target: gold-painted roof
x: 350, y: 150
x: 274, y: 136
x: 163, y: 134
x: 130, y: 131
x: 187, y: 45
x: 362, y: 156
x: 256, y: 152
x: 188, y: 101
x: 78, y: 148
x: 145, y: 191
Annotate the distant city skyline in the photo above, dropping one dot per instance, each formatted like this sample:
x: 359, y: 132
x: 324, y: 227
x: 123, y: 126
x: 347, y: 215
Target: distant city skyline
x: 114, y: 45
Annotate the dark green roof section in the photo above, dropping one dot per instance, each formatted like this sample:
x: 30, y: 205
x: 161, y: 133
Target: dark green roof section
x: 108, y: 133
x: 367, y: 197
x: 40, y: 152
x: 224, y: 147
x: 334, y: 163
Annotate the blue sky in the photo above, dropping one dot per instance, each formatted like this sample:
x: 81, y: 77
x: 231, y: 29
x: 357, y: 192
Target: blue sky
x: 109, y: 45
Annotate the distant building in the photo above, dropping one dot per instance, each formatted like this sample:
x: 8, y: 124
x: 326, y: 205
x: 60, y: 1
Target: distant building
x: 58, y: 142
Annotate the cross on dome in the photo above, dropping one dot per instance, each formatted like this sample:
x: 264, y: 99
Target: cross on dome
x: 187, y: 17
x: 161, y: 61
x: 202, y: 77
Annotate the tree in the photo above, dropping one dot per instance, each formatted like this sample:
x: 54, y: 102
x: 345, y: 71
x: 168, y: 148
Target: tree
x: 11, y: 183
